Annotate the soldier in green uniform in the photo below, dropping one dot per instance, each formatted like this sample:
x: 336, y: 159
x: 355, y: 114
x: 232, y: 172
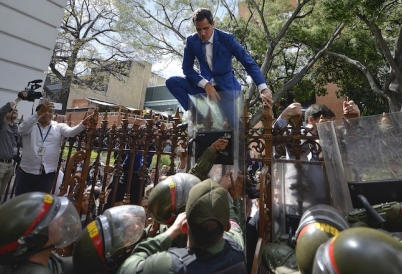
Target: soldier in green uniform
x: 93, y: 249
x: 31, y: 226
x: 359, y: 250
x: 215, y: 240
x: 108, y: 240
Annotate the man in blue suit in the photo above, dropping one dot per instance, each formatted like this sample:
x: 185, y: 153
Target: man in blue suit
x: 214, y: 50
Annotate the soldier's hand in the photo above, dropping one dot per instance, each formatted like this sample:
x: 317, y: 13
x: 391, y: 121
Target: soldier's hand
x: 219, y: 144
x: 226, y: 181
x: 176, y: 228
x: 154, y: 229
x: 237, y: 188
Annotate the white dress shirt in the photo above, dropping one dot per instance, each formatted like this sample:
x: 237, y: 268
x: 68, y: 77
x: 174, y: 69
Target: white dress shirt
x: 33, y: 135
x: 208, y: 53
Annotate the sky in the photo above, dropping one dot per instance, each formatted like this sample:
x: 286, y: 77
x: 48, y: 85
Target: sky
x: 167, y: 70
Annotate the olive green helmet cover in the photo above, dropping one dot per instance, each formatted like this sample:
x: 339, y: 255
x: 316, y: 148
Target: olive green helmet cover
x: 360, y: 250
x: 108, y: 240
x: 24, y: 222
x: 169, y: 197
x: 318, y: 224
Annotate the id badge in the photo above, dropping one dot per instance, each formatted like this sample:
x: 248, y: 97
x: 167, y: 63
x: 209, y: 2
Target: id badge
x: 41, y: 151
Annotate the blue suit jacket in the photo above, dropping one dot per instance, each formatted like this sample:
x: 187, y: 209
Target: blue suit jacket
x: 225, y: 47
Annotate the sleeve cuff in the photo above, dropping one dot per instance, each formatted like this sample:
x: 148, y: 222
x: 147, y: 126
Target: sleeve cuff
x: 202, y: 83
x: 262, y: 86
x: 281, y: 122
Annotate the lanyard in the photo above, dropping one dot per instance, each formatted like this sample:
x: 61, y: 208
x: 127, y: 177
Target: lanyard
x: 41, y: 135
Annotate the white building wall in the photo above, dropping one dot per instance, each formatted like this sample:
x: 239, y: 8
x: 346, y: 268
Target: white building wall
x: 28, y: 31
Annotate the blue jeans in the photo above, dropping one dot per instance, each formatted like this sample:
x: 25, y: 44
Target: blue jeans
x: 27, y: 182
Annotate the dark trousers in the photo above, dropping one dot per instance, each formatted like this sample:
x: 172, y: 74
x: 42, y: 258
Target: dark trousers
x: 181, y: 88
x: 27, y: 182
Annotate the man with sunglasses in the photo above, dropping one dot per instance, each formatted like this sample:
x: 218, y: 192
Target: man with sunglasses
x: 8, y: 142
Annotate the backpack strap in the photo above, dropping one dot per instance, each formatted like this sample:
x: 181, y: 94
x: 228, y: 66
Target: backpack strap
x: 232, y: 242
x: 183, y: 254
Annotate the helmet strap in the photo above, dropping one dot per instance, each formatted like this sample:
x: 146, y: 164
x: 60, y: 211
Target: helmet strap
x: 51, y: 246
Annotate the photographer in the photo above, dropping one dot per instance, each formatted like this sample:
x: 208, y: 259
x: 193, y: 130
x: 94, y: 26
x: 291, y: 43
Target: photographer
x: 8, y: 142
x: 41, y: 139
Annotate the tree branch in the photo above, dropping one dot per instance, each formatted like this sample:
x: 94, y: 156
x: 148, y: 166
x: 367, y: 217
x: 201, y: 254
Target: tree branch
x: 296, y: 79
x: 375, y: 30
x: 362, y: 68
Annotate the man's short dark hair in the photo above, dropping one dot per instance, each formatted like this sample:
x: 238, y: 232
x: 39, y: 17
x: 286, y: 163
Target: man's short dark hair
x: 38, y: 107
x: 202, y: 13
x: 316, y: 110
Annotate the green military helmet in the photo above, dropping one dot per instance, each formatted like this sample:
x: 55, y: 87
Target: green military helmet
x: 35, y: 221
x: 169, y: 197
x: 360, y: 250
x: 318, y: 224
x: 108, y: 240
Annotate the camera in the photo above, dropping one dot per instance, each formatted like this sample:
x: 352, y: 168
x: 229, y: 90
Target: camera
x: 30, y: 89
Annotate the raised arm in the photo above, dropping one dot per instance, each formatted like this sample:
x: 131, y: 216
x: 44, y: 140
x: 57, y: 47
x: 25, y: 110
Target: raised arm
x: 293, y: 109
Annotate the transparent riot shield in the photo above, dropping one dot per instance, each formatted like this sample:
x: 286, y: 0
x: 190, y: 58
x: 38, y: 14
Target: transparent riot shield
x: 209, y: 121
x: 297, y: 186
x: 363, y: 156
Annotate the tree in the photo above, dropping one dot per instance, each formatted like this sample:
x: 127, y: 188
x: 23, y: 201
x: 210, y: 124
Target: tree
x: 160, y: 27
x: 89, y: 48
x: 366, y: 61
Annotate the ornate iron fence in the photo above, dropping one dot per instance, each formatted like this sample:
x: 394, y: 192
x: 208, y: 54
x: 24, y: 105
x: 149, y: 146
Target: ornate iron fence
x: 110, y: 144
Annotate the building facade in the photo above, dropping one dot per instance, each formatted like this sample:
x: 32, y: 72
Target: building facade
x: 28, y: 31
x: 159, y: 98
x: 129, y: 93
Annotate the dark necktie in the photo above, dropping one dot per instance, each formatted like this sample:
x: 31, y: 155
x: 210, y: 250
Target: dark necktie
x: 204, y: 45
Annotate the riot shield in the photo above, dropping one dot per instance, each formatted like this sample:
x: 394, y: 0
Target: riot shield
x: 363, y: 156
x: 210, y: 120
x: 297, y: 186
